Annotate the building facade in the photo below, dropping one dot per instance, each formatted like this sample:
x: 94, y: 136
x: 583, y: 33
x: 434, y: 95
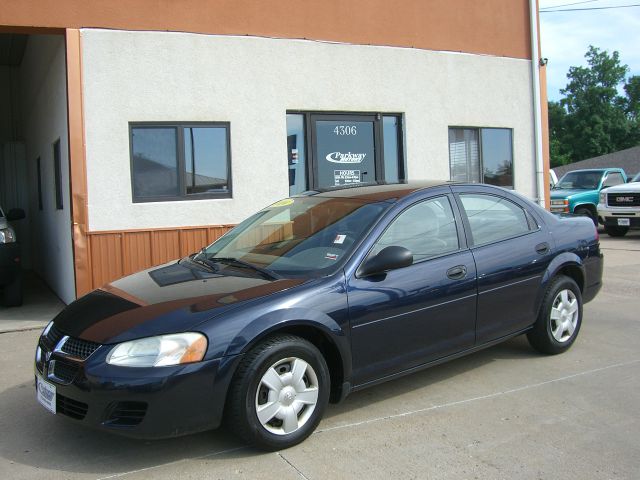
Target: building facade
x: 137, y: 132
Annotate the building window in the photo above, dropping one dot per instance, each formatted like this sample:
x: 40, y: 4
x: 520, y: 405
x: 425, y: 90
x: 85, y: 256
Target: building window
x: 180, y: 161
x: 57, y: 174
x: 334, y: 150
x: 481, y: 155
x: 39, y: 173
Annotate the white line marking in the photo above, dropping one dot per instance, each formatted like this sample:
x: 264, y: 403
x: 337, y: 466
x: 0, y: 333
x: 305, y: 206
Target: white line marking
x: 482, y: 397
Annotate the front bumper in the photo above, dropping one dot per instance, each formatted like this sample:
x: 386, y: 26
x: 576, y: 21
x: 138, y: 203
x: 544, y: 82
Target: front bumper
x: 156, y: 402
x: 609, y: 216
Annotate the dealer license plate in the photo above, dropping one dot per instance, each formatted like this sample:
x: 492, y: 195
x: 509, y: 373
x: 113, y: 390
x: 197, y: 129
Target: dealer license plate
x: 624, y: 222
x: 46, y: 394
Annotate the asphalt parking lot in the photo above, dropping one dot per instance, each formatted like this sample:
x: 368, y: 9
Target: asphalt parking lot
x: 506, y: 412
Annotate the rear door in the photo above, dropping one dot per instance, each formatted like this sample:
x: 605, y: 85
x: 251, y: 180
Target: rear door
x: 422, y: 312
x: 511, y: 251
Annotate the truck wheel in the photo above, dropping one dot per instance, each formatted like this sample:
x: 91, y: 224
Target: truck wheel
x: 586, y: 213
x: 12, y: 293
x: 614, y: 231
x: 559, y: 318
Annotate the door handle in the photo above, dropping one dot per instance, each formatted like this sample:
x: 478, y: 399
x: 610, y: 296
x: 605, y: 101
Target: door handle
x: 542, y: 248
x: 457, y: 272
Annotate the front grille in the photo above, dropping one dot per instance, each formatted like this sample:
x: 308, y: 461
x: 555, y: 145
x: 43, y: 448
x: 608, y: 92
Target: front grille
x: 71, y: 408
x: 125, y: 414
x: 51, y: 339
x: 623, y: 199
x: 62, y: 371
x: 79, y: 348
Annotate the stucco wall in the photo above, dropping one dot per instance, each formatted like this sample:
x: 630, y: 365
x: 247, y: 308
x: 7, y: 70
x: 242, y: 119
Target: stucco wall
x: 252, y: 82
x: 43, y: 111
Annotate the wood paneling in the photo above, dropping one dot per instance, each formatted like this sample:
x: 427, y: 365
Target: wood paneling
x: 118, y: 253
x: 493, y: 27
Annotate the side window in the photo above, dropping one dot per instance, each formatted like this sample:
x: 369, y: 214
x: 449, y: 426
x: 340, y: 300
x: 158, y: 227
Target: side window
x: 614, y: 178
x: 427, y: 229
x: 493, y: 218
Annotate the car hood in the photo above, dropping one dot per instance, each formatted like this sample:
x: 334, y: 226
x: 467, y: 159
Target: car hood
x: 633, y: 187
x: 167, y: 299
x: 567, y: 193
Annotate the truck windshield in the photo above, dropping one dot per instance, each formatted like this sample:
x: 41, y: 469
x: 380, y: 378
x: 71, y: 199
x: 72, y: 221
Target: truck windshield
x: 579, y: 181
x: 636, y: 178
x: 301, y: 236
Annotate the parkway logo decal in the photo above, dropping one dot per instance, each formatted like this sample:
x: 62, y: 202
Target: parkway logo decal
x: 337, y: 157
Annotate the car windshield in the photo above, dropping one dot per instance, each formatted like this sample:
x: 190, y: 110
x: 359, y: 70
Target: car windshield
x: 579, y: 181
x: 636, y: 178
x: 301, y: 236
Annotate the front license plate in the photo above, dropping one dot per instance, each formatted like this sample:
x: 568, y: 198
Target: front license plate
x: 46, y: 394
x: 624, y: 222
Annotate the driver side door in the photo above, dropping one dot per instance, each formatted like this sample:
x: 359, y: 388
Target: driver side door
x: 410, y: 316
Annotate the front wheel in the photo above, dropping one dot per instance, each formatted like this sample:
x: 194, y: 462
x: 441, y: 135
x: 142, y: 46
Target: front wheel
x: 559, y: 319
x: 279, y: 393
x: 614, y: 231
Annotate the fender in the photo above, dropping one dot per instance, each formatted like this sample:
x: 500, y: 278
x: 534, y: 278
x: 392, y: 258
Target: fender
x: 277, y: 320
x: 584, y: 204
x: 562, y: 260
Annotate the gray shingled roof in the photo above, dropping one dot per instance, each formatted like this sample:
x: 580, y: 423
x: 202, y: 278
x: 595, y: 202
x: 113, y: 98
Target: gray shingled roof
x: 628, y: 159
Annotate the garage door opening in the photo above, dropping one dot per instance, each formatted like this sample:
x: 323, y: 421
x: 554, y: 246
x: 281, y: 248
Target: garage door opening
x: 34, y: 158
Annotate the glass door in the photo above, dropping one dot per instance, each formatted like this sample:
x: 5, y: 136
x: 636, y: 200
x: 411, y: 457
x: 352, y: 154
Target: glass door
x: 344, y: 150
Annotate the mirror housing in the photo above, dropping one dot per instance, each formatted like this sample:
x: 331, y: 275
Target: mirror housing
x: 389, y: 258
x: 15, y: 214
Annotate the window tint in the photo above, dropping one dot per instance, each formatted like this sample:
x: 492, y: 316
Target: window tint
x: 155, y: 162
x: 427, y: 229
x: 481, y: 155
x: 296, y: 154
x: 172, y: 162
x: 205, y: 154
x: 493, y: 218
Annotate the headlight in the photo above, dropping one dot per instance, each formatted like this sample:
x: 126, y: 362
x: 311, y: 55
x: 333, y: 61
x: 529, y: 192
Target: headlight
x: 160, y: 351
x: 602, y: 199
x: 7, y: 235
x: 560, y: 203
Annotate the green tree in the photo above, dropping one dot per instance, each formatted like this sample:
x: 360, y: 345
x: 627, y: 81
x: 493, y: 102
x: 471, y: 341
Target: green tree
x: 593, y: 118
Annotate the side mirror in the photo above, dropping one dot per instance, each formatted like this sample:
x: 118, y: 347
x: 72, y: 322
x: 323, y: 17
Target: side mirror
x: 389, y: 258
x: 15, y: 214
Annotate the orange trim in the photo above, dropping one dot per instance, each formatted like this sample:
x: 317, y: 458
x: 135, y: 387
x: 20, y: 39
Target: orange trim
x: 494, y: 27
x: 77, y: 163
x: 544, y: 107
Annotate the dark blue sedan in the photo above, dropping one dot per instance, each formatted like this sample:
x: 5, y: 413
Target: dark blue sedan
x: 312, y: 298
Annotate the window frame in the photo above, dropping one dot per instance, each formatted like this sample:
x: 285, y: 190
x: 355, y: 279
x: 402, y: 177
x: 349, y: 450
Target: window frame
x: 39, y: 180
x: 181, y: 161
x: 534, y: 226
x: 57, y: 175
x: 481, y: 153
x: 310, y: 142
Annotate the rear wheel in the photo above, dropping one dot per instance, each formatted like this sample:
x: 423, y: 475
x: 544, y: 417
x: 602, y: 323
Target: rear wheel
x: 559, y: 319
x: 585, y: 212
x: 614, y: 231
x: 279, y: 393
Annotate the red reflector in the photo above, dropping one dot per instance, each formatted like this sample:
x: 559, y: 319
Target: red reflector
x: 17, y: 259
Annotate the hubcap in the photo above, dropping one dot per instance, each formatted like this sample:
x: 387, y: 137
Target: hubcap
x: 286, y: 396
x: 564, y: 315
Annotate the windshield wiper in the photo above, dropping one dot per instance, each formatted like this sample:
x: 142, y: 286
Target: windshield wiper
x: 212, y: 262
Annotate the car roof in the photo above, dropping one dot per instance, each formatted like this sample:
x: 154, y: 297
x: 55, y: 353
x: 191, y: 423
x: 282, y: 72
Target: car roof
x: 383, y: 192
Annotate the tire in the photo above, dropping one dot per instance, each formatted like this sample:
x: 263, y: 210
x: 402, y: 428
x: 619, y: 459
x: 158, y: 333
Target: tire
x: 585, y: 212
x: 274, y: 390
x: 614, y: 231
x: 559, y: 319
x: 12, y: 293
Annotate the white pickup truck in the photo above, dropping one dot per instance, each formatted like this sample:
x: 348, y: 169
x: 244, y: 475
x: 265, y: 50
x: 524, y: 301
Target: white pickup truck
x: 619, y: 207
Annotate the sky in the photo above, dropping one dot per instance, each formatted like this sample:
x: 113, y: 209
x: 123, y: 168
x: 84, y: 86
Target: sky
x: 566, y: 36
